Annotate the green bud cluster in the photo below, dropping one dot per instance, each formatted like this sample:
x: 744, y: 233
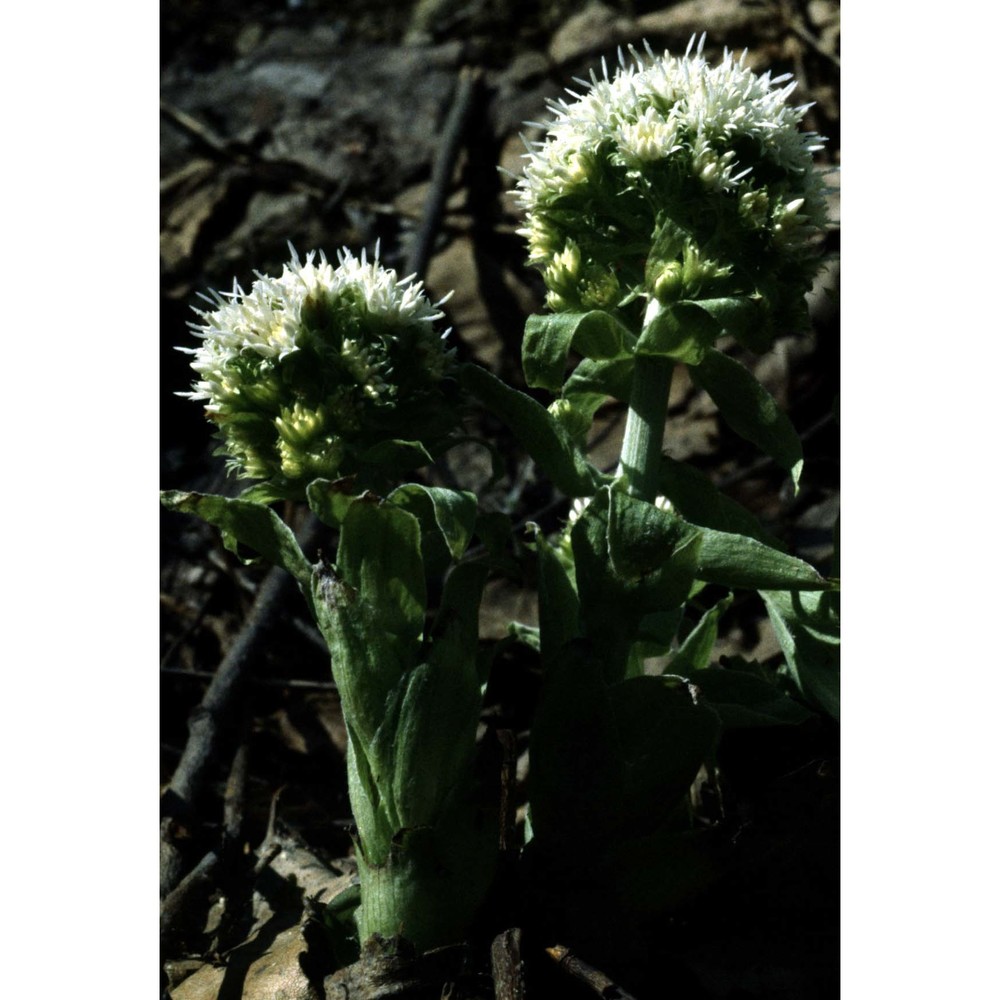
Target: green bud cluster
x: 306, y: 373
x: 676, y: 180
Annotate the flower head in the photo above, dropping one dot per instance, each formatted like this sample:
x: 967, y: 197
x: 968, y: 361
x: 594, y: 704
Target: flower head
x: 676, y: 179
x: 306, y: 373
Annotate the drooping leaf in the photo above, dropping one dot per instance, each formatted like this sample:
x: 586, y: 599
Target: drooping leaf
x: 740, y: 562
x: 680, y: 331
x: 750, y: 410
x: 598, y: 380
x: 450, y: 512
x: 742, y: 699
x: 396, y: 457
x: 808, y: 629
x: 548, y: 443
x: 243, y: 522
x: 330, y: 499
x: 549, y: 338
x: 746, y: 319
x: 632, y: 560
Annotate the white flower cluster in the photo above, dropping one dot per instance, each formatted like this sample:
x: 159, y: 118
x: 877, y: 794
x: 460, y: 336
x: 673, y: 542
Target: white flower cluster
x: 267, y: 320
x: 306, y: 373
x: 669, y: 145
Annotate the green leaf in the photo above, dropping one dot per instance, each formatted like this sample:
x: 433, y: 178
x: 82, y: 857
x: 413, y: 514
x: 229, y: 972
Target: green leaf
x: 750, y: 410
x: 558, y: 605
x: 545, y: 439
x: 395, y: 457
x: 330, y: 499
x: 747, y: 319
x: 699, y: 501
x: 434, y: 742
x: 610, y: 763
x: 379, y: 556
x: 450, y: 512
x: 696, y: 650
x: 632, y: 560
x: 663, y: 737
x: 243, y: 522
x: 367, y: 661
x: 593, y: 382
x: 600, y: 379
x: 743, y: 700
x: 808, y: 631
x: 455, y: 632
x: 657, y: 631
x: 740, y: 562
x: 680, y: 331
x: 548, y: 340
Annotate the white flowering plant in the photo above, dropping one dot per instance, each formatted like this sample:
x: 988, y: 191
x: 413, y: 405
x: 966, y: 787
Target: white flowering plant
x: 325, y: 384
x: 670, y: 205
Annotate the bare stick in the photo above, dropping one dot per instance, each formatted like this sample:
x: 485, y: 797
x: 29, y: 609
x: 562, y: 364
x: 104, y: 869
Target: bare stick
x: 579, y: 969
x: 444, y: 166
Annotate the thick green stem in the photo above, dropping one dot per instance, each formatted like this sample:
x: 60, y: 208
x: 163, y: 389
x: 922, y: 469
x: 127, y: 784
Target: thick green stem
x: 647, y: 415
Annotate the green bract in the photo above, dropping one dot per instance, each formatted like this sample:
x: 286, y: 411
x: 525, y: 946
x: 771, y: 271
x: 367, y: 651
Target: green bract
x: 310, y: 374
x: 675, y: 181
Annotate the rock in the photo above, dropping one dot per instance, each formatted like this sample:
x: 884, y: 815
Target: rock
x: 595, y: 27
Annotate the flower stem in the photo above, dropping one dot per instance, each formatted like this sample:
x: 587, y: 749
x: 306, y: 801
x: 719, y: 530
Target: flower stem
x: 647, y: 415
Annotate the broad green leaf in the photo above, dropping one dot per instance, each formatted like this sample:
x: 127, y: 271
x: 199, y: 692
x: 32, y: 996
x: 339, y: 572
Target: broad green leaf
x: 599, y: 379
x: 434, y: 742
x: 548, y: 340
x: 808, y: 631
x: 747, y: 319
x: 652, y: 550
x: 243, y: 522
x: 696, y: 650
x: 740, y: 562
x: 367, y: 660
x: 451, y: 512
x: 395, y: 457
x: 742, y: 699
x: 632, y: 559
x: 699, y: 501
x: 541, y: 435
x: 750, y: 410
x: 431, y: 748
x: 680, y: 331
x: 594, y: 382
x: 379, y: 556
x: 455, y: 632
x: 330, y: 499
